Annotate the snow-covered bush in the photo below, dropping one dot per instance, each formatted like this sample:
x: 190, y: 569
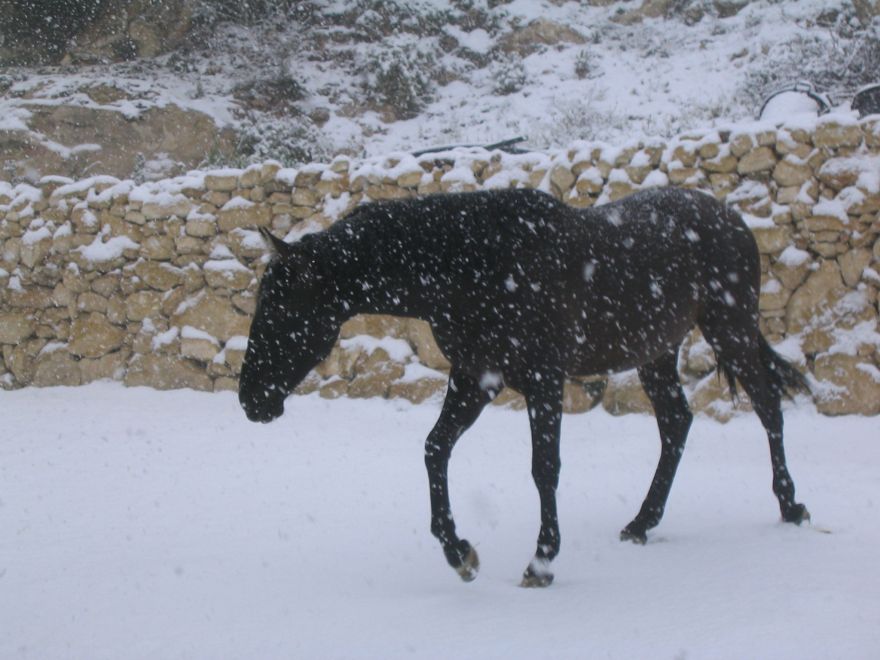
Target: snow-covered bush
x: 509, y: 75
x: 584, y: 64
x: 398, y: 77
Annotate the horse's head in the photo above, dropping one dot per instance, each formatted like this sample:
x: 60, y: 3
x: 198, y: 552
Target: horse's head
x: 295, y: 326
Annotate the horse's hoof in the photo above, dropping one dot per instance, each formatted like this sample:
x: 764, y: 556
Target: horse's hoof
x: 639, y: 537
x: 537, y: 575
x: 470, y: 566
x: 797, y: 514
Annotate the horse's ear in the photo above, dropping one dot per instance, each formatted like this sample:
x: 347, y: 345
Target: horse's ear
x: 275, y: 243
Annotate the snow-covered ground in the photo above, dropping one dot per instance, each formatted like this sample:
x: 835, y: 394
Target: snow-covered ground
x: 145, y: 524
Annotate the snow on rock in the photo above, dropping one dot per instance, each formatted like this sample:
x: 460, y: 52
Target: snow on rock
x: 237, y: 202
x: 335, y: 207
x: 165, y: 338
x: 793, y: 257
x: 834, y: 208
x: 398, y: 349
x: 77, y: 188
x: 101, y: 250
x: 189, y: 332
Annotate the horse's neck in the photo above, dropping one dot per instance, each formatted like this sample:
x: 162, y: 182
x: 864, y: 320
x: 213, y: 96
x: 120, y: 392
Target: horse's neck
x: 377, y: 269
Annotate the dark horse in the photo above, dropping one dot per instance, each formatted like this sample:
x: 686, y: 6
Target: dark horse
x: 522, y: 291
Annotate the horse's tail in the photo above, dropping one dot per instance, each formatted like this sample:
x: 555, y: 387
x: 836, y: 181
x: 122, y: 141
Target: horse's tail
x: 782, y: 377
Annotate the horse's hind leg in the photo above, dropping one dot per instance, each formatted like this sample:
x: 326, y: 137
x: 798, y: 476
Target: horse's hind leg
x: 766, y: 400
x: 465, y: 399
x: 662, y: 385
x: 740, y: 349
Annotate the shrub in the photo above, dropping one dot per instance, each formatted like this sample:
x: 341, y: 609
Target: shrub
x: 400, y: 77
x: 509, y: 75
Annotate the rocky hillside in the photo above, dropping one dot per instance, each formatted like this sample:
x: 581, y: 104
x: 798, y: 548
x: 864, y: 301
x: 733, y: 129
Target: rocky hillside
x: 151, y: 88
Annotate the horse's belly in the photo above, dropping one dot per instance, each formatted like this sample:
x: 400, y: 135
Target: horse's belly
x: 631, y: 333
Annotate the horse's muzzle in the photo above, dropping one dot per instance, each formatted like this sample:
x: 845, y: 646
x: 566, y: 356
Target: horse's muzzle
x: 263, y: 411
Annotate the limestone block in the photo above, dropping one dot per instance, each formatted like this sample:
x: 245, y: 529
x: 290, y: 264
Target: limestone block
x: 339, y: 364
x: 212, y: 314
x: 833, y: 135
x: 375, y: 325
x: 57, y: 367
x: 248, y: 217
x: 510, y: 398
x: 234, y: 358
x: 820, y: 291
x: 374, y: 374
x: 590, y: 182
x: 91, y: 302
x: 840, y: 173
x: 332, y: 390
x: 852, y: 264
x: 15, y: 327
x: 221, y: 182
x: 417, y: 391
x: 741, y: 144
x: 155, y: 210
x: 106, y: 285
x: 33, y: 253
x: 772, y: 240
x: 789, y: 172
x: 201, y: 226
x: 410, y: 179
x: 624, y: 394
x: 20, y: 362
x: 228, y: 273
x: 773, y: 296
x: 821, y: 223
x: 720, y: 165
x: 159, y: 248
x: 791, y: 273
x: 757, y: 160
x: 166, y: 372
x: 854, y: 385
x: 561, y: 179
x: 93, y: 335
x: 226, y: 384
x: 143, y: 304
x: 159, y: 275
x: 111, y: 366
x: 421, y: 337
x: 681, y: 175
x: 198, y: 348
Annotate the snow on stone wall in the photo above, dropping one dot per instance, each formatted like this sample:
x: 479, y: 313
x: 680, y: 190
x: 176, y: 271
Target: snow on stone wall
x: 154, y: 284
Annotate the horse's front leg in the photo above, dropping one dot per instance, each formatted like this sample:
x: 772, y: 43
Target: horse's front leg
x: 465, y: 399
x: 545, y: 416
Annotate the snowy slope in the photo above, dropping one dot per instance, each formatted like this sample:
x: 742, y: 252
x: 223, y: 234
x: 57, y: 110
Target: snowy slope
x: 655, y: 77
x: 143, y: 524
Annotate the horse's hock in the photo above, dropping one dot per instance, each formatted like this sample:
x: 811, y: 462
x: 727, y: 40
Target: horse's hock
x: 154, y: 284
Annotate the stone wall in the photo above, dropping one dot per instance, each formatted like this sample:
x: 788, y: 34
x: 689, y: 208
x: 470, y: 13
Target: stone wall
x: 154, y: 284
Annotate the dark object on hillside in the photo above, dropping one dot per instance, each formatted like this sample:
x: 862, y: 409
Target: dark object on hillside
x: 795, y: 98
x: 506, y: 146
x: 867, y: 100
x: 522, y: 291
